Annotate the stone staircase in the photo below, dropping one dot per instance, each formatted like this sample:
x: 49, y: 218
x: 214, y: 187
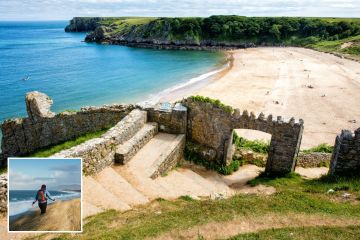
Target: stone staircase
x: 124, y: 152
x: 142, y: 171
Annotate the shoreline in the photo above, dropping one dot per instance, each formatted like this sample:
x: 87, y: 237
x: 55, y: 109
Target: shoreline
x: 318, y: 87
x: 53, y: 220
x: 182, y: 90
x: 72, y: 195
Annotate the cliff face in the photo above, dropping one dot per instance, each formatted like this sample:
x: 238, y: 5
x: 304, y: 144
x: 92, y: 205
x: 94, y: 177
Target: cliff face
x: 214, y: 31
x: 158, y: 33
x: 83, y: 24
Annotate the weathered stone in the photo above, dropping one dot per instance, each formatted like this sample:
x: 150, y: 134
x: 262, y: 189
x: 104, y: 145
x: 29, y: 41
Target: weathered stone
x: 99, y: 153
x: 345, y: 159
x: 211, y: 126
x: 171, y: 121
x: 311, y: 160
x: 38, y: 106
x: 3, y: 194
x: 22, y: 136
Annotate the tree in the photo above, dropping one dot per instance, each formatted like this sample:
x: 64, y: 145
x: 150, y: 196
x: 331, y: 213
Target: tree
x: 275, y: 31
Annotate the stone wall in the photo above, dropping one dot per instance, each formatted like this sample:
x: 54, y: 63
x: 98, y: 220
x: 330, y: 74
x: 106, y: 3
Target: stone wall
x: 312, y: 160
x: 346, y: 157
x: 172, y: 120
x: 211, y: 126
x: 99, y: 153
x: 43, y: 128
x: 168, y: 161
x: 3, y: 194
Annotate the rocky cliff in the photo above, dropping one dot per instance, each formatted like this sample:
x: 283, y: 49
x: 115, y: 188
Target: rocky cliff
x: 214, y: 31
x: 83, y: 24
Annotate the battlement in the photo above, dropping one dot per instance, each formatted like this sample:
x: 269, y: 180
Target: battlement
x: 346, y: 156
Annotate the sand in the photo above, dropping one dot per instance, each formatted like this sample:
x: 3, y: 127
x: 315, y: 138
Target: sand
x: 320, y: 88
x: 60, y: 216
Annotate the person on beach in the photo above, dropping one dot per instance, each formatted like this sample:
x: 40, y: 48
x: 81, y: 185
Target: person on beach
x: 41, y: 196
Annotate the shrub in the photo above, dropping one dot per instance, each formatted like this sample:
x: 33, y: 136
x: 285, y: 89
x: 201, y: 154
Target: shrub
x: 215, y: 102
x: 256, y: 145
x: 323, y: 148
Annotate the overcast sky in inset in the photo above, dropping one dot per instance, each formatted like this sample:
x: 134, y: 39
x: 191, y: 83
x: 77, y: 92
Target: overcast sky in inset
x: 30, y: 174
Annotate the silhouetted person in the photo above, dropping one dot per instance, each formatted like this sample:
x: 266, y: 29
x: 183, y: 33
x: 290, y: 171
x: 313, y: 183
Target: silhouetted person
x: 42, y: 196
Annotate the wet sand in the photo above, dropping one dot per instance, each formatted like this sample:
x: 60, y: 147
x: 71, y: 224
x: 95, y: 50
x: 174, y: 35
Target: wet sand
x: 60, y: 216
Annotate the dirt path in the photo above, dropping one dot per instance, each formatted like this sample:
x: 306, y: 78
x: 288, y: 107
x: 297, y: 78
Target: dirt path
x: 220, y: 230
x: 320, y: 88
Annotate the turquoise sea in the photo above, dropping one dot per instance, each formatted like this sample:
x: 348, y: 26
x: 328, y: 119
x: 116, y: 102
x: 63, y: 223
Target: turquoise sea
x: 76, y: 74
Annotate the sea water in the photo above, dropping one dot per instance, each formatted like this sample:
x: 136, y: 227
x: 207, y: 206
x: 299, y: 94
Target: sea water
x: 40, y: 56
x: 21, y: 200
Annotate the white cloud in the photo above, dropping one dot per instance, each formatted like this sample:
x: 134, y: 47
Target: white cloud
x: 66, y: 9
x: 62, y: 175
x: 19, y: 180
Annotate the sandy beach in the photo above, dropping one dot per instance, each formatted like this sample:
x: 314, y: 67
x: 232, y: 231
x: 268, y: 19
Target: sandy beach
x: 60, y: 216
x: 320, y: 88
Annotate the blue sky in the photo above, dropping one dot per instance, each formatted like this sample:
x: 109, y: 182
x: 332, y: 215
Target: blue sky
x: 29, y: 174
x: 66, y: 9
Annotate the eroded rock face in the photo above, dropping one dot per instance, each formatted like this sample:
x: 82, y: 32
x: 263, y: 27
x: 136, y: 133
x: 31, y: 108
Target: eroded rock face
x: 98, y: 34
x: 3, y: 194
x: 83, y: 24
x: 38, y: 106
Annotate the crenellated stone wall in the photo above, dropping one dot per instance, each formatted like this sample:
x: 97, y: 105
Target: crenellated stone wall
x: 44, y: 128
x: 346, y: 156
x: 3, y: 194
x: 211, y: 127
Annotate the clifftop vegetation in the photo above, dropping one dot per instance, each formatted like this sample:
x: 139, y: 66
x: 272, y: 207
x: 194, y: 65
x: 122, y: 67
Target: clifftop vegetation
x: 325, y: 34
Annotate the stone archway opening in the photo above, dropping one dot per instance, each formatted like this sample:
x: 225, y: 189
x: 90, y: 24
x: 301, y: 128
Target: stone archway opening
x: 250, y: 147
x: 210, y: 127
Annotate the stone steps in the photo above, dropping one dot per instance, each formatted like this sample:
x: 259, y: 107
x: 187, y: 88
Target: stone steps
x: 124, y: 152
x: 89, y: 209
x: 117, y: 185
x: 98, y: 196
x: 127, y: 127
x: 159, y: 155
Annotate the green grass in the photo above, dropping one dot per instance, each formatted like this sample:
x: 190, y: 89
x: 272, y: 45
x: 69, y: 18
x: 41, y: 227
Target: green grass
x: 256, y: 145
x: 294, y: 196
x: 322, y: 148
x: 3, y: 170
x: 256, y: 162
x: 48, y: 151
x: 335, y: 46
x: 122, y: 24
x: 303, y: 233
x: 215, y: 102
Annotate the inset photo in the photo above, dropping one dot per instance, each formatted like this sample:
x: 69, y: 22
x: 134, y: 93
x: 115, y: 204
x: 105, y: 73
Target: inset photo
x: 45, y: 194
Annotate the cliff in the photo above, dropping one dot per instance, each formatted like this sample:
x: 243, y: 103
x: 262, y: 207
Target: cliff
x: 214, y: 31
x: 84, y: 24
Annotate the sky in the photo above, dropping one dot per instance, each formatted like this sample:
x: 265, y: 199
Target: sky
x: 66, y: 9
x: 30, y: 174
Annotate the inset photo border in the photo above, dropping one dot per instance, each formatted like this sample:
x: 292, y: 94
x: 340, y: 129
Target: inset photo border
x: 45, y: 195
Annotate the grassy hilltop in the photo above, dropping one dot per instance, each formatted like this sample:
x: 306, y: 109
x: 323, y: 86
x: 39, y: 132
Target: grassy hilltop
x: 339, y: 35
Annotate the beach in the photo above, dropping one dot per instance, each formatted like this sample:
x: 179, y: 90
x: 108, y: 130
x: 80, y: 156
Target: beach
x: 60, y: 216
x: 320, y: 88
